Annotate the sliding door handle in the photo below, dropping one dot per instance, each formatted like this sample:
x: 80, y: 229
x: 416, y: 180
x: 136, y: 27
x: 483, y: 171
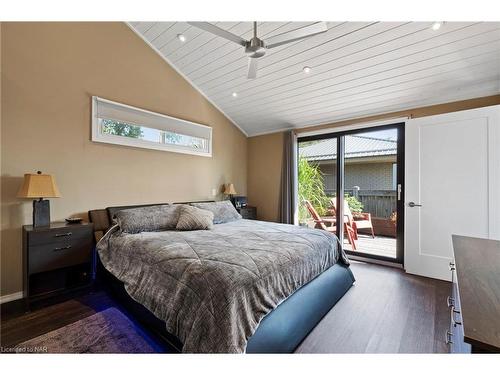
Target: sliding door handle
x: 413, y: 204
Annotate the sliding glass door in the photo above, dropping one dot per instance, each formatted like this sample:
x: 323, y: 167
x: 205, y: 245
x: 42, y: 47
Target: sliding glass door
x: 350, y: 183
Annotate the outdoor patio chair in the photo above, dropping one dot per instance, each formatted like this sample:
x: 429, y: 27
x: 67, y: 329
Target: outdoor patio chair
x: 362, y: 220
x: 329, y: 224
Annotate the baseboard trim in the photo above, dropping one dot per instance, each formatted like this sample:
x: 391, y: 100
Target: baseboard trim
x: 11, y: 297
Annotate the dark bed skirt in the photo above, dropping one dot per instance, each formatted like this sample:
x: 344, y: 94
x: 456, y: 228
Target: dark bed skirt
x: 281, y: 331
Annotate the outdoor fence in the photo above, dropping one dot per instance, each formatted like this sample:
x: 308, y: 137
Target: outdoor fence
x: 380, y: 203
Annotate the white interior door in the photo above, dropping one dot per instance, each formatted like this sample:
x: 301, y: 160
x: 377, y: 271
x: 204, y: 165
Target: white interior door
x: 452, y: 175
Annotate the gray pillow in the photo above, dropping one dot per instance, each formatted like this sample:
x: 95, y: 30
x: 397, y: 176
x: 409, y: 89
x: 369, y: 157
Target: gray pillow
x: 148, y: 219
x: 223, y: 211
x: 193, y: 218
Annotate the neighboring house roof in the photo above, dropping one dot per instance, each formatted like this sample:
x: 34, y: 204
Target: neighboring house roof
x: 356, y: 147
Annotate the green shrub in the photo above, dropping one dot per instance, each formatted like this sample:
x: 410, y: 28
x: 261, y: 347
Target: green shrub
x: 311, y: 188
x: 354, y: 204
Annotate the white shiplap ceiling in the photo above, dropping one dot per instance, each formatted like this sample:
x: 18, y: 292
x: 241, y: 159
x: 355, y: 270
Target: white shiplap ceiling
x: 358, y: 69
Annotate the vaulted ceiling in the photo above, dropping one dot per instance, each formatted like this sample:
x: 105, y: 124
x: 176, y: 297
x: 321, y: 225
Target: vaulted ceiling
x: 358, y: 69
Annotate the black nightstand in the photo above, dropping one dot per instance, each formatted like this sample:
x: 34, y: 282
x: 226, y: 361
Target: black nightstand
x: 57, y: 258
x: 248, y: 212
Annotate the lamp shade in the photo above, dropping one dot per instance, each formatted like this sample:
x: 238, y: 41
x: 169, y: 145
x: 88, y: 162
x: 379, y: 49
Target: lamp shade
x: 38, y: 186
x: 229, y: 190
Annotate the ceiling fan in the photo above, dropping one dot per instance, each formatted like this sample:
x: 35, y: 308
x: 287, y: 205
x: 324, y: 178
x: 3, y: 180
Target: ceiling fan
x: 256, y: 47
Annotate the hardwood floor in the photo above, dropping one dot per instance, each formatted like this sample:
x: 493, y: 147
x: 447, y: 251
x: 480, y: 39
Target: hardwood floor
x: 386, y: 311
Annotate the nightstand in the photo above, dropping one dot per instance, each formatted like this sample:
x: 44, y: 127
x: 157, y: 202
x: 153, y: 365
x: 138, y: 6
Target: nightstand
x: 57, y: 258
x: 248, y: 212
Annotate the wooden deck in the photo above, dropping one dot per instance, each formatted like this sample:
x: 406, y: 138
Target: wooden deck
x: 383, y: 246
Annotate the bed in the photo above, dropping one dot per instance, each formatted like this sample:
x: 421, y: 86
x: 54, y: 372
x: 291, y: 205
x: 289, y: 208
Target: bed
x: 244, y: 286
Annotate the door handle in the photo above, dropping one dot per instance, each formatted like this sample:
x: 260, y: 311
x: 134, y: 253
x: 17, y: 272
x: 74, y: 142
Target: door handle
x: 447, y: 337
x: 413, y: 204
x: 453, y: 321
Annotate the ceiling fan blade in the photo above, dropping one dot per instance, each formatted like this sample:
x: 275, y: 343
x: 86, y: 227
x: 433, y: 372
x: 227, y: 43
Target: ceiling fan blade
x: 219, y: 32
x: 291, y: 36
x: 252, y: 68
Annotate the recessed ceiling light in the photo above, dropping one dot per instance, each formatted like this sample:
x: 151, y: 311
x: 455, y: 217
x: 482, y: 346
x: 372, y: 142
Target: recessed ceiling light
x: 306, y: 69
x: 436, y: 26
x: 181, y: 37
x: 235, y: 94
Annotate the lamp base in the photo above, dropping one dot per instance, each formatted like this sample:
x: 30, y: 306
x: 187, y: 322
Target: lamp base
x: 41, y: 213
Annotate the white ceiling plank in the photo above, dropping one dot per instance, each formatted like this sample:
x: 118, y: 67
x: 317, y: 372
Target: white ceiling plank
x: 377, y: 73
x: 283, y: 53
x: 481, y: 89
x: 405, y: 40
x: 377, y: 108
x: 374, y: 105
x: 213, y: 51
x: 197, y: 42
x: 157, y: 29
x: 417, y: 92
x: 165, y: 36
x: 349, y: 66
x: 322, y: 47
x: 462, y: 75
x: 142, y: 27
x: 172, y: 43
x: 326, y: 89
x: 359, y: 69
x: 435, y: 72
x: 237, y: 59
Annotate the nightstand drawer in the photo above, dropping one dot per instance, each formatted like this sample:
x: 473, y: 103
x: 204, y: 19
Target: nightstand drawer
x: 59, y: 254
x: 59, y: 235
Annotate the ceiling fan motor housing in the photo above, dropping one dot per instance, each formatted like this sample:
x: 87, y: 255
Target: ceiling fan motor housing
x: 255, y: 48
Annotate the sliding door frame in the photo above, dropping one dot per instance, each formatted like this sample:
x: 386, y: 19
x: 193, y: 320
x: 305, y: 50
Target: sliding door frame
x: 400, y: 171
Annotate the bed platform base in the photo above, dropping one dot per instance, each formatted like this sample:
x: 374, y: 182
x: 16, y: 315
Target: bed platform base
x: 281, y: 331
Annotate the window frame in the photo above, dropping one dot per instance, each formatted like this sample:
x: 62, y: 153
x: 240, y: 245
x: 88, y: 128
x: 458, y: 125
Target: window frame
x: 98, y: 136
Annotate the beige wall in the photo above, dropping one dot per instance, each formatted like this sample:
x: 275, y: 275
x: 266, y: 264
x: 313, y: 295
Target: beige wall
x: 265, y: 154
x: 264, y: 171
x: 49, y: 73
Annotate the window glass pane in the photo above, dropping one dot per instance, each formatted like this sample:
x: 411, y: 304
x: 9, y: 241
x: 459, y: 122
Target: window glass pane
x: 123, y: 129
x: 317, y: 181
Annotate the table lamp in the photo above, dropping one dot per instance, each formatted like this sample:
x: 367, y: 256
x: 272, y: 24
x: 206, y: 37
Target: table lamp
x: 39, y: 186
x: 230, y: 190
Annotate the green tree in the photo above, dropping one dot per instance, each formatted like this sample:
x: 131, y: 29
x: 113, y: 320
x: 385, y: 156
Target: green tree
x: 121, y: 128
x: 173, y: 138
x: 311, y: 188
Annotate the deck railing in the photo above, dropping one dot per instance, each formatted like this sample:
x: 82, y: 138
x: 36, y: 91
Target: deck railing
x: 380, y: 203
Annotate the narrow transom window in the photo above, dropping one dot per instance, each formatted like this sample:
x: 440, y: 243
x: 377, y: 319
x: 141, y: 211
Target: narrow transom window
x: 125, y: 125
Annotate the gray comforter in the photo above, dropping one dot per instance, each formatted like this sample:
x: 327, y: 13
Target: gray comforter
x: 213, y: 287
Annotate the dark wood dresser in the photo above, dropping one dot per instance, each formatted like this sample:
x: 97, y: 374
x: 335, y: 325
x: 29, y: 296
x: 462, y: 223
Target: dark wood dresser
x: 57, y: 258
x: 475, y: 301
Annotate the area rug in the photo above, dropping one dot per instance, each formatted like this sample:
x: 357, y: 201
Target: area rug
x: 108, y: 331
